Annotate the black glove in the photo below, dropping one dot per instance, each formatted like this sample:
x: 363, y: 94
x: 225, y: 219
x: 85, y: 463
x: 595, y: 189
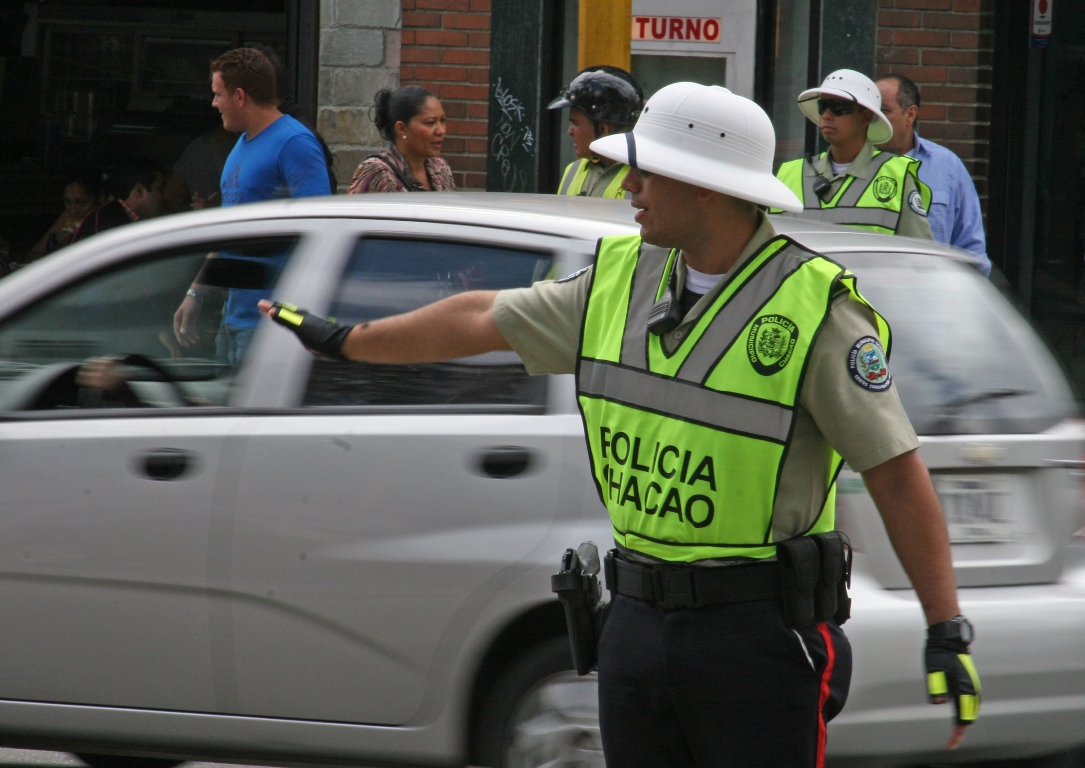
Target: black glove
x: 325, y: 337
x: 951, y: 673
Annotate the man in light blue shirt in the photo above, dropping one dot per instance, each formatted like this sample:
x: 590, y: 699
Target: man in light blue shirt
x: 954, y: 215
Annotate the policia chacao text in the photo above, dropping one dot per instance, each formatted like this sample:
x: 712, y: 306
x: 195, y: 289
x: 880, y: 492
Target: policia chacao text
x: 724, y: 373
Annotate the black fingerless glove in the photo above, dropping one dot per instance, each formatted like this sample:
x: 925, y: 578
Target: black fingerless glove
x: 325, y: 337
x: 951, y: 673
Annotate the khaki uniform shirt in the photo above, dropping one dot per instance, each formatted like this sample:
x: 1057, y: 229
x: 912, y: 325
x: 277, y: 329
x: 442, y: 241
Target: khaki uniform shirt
x: 599, y: 178
x: 542, y: 324
x: 911, y: 223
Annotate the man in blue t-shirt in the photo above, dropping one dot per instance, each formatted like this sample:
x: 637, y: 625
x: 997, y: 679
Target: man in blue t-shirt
x: 275, y: 157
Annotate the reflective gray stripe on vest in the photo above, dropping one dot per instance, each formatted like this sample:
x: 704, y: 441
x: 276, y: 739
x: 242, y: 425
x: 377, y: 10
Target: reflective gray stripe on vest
x: 651, y: 262
x: 736, y: 314
x: 569, y: 176
x: 684, y: 401
x: 810, y: 199
x: 855, y: 191
x: 876, y: 217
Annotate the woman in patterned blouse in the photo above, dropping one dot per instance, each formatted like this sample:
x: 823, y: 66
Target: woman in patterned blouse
x: 412, y: 120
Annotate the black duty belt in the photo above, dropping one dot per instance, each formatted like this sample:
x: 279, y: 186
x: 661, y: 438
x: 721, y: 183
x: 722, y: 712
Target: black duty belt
x: 666, y: 585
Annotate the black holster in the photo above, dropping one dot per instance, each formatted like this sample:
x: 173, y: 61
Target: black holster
x: 815, y: 574
x: 578, y: 590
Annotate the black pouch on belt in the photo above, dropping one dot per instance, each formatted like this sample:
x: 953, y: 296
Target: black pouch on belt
x: 831, y: 598
x: 831, y: 554
x: 800, y: 564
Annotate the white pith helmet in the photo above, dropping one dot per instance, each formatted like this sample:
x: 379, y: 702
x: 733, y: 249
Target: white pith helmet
x: 706, y: 136
x: 854, y: 86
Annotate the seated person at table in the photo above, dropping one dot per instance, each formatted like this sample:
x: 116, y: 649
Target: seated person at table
x: 83, y: 193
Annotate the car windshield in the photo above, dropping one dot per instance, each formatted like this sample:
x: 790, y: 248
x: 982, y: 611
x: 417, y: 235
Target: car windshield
x: 964, y: 361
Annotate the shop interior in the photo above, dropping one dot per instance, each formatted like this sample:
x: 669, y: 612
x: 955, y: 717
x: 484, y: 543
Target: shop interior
x: 87, y: 86
x: 1053, y: 268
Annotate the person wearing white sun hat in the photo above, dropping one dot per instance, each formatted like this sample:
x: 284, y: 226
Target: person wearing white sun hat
x: 721, y: 370
x: 853, y: 183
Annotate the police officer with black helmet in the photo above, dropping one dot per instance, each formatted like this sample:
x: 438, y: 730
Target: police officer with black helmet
x: 724, y: 374
x: 602, y: 100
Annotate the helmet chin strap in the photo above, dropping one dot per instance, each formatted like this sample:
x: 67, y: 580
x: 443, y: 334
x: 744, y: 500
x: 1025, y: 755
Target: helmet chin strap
x: 599, y: 159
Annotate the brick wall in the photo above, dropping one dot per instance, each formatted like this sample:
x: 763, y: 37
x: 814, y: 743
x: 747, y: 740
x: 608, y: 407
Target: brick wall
x: 446, y: 48
x: 946, y: 47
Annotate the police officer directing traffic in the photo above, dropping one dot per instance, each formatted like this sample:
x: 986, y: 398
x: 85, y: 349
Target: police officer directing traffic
x: 853, y: 183
x: 602, y: 101
x: 724, y: 373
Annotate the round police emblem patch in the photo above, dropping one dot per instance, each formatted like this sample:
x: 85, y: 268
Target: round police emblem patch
x: 915, y: 202
x: 771, y: 343
x: 867, y: 365
x: 885, y: 188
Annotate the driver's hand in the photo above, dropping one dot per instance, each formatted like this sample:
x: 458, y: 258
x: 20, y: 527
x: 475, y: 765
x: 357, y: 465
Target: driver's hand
x: 184, y: 322
x: 102, y: 373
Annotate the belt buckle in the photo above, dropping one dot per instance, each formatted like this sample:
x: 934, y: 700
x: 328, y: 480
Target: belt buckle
x: 674, y: 587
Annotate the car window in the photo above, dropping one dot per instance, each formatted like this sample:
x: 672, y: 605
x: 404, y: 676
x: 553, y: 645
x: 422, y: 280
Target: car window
x: 386, y: 276
x: 111, y: 340
x: 963, y: 359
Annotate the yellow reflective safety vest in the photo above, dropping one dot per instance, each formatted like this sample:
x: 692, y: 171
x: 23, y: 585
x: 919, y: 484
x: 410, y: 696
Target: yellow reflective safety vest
x: 576, y: 173
x: 686, y: 448
x: 875, y: 205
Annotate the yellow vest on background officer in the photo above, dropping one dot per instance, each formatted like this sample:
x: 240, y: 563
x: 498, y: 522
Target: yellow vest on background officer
x: 723, y: 373
x: 602, y: 100
x: 853, y: 183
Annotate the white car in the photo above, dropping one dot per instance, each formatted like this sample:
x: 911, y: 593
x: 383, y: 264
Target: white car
x: 304, y: 561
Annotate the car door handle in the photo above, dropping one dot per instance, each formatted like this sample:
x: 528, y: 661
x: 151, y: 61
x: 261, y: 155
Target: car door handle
x: 504, y: 461
x: 166, y: 463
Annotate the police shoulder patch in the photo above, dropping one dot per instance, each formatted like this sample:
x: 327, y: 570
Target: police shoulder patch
x: 867, y: 365
x: 573, y: 276
x: 915, y: 202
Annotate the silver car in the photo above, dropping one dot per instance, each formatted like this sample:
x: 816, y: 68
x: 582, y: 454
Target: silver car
x: 301, y: 561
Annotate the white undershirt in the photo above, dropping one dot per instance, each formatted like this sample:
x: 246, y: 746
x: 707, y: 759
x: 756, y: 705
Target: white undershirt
x: 839, y: 168
x: 699, y: 282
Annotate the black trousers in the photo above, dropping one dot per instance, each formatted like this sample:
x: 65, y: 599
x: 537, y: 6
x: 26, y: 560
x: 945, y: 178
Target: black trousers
x: 726, y: 685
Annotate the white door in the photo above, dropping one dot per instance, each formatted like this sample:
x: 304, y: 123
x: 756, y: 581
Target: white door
x: 113, y: 442
x: 376, y: 518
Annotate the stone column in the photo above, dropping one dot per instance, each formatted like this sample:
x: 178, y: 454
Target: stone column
x: 359, y: 54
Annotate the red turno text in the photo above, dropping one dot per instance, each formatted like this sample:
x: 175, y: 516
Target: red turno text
x: 676, y: 28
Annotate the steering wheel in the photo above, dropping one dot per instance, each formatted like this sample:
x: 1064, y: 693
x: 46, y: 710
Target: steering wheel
x: 62, y: 391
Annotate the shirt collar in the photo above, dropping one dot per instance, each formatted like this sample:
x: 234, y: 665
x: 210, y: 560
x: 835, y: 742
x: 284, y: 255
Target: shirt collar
x: 395, y: 156
x: 922, y: 146
x: 762, y: 235
x: 859, y: 167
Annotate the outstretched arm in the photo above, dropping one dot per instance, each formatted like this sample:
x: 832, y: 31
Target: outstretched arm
x: 459, y: 326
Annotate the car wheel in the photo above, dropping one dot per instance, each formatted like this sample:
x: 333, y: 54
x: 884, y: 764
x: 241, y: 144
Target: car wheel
x: 541, y: 713
x: 123, y: 761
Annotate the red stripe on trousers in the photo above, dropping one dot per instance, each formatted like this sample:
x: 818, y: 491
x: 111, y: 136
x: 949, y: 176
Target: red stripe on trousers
x: 826, y: 676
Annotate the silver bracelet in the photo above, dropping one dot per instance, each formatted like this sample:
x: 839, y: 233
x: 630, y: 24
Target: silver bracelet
x: 194, y: 295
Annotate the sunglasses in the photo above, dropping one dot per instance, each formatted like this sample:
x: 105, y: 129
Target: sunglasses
x: 838, y: 107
